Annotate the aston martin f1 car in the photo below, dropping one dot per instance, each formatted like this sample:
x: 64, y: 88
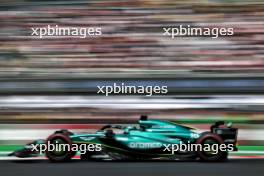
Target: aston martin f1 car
x: 147, y: 140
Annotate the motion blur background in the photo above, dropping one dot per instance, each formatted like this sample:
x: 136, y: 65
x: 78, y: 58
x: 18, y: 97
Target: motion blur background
x: 48, y: 84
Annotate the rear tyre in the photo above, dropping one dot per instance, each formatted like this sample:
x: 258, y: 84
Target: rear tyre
x: 210, y: 139
x: 59, y: 154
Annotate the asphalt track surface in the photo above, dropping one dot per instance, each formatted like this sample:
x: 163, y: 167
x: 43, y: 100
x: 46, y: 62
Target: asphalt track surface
x: 147, y: 168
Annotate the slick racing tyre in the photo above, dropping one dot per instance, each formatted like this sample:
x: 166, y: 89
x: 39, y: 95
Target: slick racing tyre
x: 60, y: 148
x: 210, y: 139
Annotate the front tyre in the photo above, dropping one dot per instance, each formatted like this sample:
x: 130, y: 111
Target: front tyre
x: 60, y: 148
x: 210, y: 140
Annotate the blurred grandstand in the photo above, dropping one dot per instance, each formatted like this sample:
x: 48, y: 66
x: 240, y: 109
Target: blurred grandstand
x: 53, y: 80
x: 132, y: 43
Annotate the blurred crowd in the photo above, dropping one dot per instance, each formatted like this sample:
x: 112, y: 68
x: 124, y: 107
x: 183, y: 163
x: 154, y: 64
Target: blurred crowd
x: 132, y: 37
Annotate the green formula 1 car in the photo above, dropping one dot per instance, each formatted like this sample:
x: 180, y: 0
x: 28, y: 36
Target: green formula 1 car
x: 149, y: 139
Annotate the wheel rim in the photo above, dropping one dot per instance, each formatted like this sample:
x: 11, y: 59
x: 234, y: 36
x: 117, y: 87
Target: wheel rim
x: 210, y: 142
x: 58, y: 151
